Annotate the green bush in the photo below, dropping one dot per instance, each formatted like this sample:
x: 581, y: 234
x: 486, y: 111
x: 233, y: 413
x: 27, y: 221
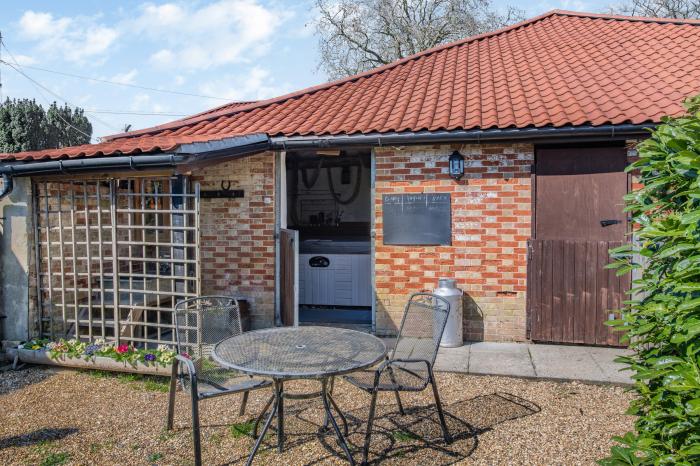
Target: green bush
x: 662, y: 322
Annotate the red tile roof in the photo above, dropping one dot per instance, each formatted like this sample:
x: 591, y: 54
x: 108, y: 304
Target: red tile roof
x: 561, y: 68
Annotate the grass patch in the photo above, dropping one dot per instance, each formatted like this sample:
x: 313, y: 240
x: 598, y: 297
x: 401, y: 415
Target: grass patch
x: 53, y: 459
x: 159, y: 384
x: 216, y: 439
x: 152, y: 383
x: 404, y: 436
x: 166, y: 435
x: 241, y: 429
x: 99, y: 374
x: 153, y: 457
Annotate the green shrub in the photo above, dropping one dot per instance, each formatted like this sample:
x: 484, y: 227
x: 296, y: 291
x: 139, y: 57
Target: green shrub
x: 662, y: 322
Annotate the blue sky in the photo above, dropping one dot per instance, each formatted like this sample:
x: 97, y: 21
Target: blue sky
x: 228, y: 49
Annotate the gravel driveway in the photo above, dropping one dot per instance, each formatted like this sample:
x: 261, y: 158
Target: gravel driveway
x: 67, y: 417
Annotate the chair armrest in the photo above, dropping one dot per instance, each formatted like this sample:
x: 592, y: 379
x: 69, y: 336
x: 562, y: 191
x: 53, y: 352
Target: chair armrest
x: 188, y: 363
x: 191, y: 372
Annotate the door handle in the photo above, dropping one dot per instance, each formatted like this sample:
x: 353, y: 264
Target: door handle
x: 607, y: 223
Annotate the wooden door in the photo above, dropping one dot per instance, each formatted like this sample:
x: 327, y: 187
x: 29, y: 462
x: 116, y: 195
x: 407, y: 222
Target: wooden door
x: 578, y: 217
x: 289, y: 276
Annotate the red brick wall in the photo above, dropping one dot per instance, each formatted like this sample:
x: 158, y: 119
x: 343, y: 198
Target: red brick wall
x: 491, y: 217
x: 237, y: 235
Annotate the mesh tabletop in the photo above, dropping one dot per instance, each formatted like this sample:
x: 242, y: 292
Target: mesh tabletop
x: 300, y: 352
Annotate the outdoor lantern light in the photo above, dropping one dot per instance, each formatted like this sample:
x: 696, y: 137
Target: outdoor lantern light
x: 456, y: 165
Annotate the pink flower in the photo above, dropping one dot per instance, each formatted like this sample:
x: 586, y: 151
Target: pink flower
x: 122, y: 349
x: 186, y: 355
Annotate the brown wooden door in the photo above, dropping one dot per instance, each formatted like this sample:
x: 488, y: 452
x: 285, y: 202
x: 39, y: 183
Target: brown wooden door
x: 578, y: 218
x: 289, y: 247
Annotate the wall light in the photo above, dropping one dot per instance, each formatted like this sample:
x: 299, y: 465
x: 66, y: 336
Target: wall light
x: 456, y: 165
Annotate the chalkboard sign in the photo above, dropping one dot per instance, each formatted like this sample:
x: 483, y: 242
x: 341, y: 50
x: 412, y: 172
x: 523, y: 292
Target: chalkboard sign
x: 417, y: 219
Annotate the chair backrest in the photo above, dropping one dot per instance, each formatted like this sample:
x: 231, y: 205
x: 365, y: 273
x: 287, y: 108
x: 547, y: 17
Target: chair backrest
x: 421, y: 330
x: 202, y: 322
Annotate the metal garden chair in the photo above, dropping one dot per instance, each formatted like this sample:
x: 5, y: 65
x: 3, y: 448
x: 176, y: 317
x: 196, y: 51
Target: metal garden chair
x: 409, y: 367
x: 200, y: 323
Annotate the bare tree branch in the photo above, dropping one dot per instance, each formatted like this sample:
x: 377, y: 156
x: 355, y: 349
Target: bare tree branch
x: 677, y: 9
x: 357, y: 35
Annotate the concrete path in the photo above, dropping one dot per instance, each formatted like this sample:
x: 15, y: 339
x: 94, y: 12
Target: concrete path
x: 558, y: 362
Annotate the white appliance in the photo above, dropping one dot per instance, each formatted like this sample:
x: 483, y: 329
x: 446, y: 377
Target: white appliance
x: 335, y: 273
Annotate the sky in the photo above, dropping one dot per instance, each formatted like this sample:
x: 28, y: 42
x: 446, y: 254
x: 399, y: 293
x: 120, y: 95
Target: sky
x: 217, y: 50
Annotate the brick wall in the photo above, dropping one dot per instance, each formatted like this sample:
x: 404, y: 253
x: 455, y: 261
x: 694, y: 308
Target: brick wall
x: 491, y: 217
x: 237, y: 235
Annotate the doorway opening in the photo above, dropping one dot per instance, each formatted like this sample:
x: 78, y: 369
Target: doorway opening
x: 329, y: 204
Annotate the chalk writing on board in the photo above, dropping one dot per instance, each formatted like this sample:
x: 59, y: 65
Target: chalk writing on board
x: 417, y: 219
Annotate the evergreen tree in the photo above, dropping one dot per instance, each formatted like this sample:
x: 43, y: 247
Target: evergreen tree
x: 26, y: 126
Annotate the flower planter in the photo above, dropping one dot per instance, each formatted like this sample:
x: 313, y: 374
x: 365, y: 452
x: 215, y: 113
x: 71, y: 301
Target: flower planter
x: 40, y: 356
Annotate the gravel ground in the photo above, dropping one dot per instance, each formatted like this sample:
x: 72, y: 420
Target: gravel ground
x: 53, y: 417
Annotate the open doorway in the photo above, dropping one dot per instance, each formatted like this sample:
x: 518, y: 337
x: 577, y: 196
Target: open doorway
x: 329, y: 204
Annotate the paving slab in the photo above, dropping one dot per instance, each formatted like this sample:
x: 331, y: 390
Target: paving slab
x: 453, y: 359
x: 605, y: 358
x: 565, y: 362
x: 513, y: 363
x: 554, y: 362
x: 491, y: 346
x: 557, y: 362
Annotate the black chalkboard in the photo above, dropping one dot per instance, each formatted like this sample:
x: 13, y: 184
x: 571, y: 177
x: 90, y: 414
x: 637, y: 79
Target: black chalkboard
x: 417, y: 219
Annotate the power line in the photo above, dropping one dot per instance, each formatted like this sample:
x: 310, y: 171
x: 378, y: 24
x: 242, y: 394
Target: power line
x: 37, y: 86
x: 37, y: 83
x: 38, y: 90
x: 115, y: 83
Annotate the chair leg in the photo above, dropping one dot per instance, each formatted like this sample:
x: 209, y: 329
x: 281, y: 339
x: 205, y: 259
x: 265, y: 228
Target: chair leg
x: 438, y: 404
x: 196, y: 437
x: 262, y: 414
x: 396, y: 392
x: 244, y: 401
x: 368, y: 434
x: 171, y: 397
x: 398, y: 402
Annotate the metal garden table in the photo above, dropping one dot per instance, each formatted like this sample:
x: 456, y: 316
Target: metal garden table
x: 289, y: 353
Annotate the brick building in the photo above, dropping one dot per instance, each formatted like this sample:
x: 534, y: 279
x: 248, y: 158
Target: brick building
x: 291, y: 202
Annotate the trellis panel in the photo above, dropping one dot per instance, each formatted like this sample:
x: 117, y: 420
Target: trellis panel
x: 114, y: 256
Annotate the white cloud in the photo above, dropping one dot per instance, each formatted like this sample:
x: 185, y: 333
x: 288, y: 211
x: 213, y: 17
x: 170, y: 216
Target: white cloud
x: 24, y: 59
x: 220, y: 33
x: 163, y: 58
x: 125, y: 78
x: 73, y: 38
x: 255, y: 84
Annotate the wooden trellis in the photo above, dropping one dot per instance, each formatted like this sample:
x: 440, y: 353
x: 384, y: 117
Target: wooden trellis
x: 115, y: 256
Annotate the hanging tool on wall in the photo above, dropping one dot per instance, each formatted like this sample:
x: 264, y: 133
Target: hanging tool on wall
x: 224, y: 193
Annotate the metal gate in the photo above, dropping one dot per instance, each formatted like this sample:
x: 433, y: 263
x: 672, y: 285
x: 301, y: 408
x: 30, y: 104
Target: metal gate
x: 113, y: 257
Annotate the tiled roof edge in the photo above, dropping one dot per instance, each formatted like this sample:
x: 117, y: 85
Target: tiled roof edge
x: 213, y: 114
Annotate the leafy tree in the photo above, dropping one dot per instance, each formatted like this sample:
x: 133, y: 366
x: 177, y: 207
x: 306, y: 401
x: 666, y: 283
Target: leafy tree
x: 662, y: 322
x: 25, y: 126
x: 678, y: 9
x: 357, y: 35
